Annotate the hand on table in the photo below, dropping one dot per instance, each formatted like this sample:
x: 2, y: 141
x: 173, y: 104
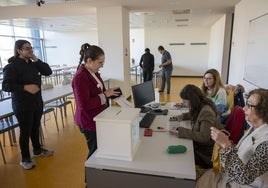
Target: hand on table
x: 174, y: 130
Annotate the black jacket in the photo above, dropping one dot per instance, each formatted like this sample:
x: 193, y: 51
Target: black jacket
x: 147, y: 61
x: 18, y: 73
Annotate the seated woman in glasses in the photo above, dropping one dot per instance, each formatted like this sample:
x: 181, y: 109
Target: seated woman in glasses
x: 244, y: 164
x: 214, y: 89
x: 203, y: 114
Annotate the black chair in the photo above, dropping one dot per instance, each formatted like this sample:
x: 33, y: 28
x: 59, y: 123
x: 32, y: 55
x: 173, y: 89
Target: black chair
x: 60, y: 104
x: 47, y: 110
x: 4, y: 95
x: 7, y: 125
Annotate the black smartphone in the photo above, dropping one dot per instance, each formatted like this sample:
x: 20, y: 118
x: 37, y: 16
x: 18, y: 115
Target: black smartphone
x: 119, y: 94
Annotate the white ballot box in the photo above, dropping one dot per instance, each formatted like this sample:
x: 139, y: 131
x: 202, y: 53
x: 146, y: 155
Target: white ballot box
x: 118, y: 133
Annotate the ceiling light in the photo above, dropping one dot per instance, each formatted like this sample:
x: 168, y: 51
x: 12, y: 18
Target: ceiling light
x: 40, y: 2
x: 185, y: 11
x: 182, y: 20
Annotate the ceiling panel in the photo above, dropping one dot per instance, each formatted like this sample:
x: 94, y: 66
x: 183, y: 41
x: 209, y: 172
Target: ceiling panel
x: 52, y: 15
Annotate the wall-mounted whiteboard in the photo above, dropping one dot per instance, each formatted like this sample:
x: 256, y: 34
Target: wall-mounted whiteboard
x: 256, y: 67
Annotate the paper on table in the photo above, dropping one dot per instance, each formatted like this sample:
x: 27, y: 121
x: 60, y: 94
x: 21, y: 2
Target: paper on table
x: 121, y: 101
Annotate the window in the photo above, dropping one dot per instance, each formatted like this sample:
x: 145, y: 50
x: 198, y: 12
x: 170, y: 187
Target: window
x: 8, y: 36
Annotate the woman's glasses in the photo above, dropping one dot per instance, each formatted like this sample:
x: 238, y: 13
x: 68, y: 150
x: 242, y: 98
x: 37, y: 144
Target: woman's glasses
x: 28, y: 48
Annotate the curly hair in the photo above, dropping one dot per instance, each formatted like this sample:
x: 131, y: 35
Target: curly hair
x: 89, y: 51
x: 197, y: 100
x: 262, y: 106
x: 217, y: 82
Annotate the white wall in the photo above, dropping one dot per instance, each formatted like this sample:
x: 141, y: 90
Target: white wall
x: 188, y: 60
x: 137, y: 45
x: 63, y: 48
x: 113, y: 37
x: 244, y: 11
x: 216, y: 44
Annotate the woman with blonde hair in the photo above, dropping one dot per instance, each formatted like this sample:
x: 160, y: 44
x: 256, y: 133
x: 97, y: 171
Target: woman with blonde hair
x: 214, y: 89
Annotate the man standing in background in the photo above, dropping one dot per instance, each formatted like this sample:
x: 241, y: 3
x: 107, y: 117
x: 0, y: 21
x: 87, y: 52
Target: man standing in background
x: 167, y: 67
x: 147, y: 65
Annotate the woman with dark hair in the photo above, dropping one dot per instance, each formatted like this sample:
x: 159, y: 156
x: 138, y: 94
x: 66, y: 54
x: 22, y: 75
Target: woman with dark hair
x: 245, y: 164
x: 22, y: 77
x: 203, y: 115
x: 90, y: 94
x: 214, y: 89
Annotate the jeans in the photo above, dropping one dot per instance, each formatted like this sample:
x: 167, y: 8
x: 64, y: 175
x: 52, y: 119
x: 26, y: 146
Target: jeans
x: 166, y: 76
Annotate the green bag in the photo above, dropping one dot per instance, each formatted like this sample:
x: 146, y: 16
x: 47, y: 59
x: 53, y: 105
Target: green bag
x: 176, y: 149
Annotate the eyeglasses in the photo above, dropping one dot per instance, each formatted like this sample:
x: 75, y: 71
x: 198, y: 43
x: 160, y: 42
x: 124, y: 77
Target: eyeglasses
x: 250, y: 105
x: 27, y: 48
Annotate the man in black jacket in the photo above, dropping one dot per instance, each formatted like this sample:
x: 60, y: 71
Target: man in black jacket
x: 147, y: 65
x: 22, y: 77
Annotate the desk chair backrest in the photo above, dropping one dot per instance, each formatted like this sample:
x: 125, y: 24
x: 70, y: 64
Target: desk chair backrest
x: 235, y: 124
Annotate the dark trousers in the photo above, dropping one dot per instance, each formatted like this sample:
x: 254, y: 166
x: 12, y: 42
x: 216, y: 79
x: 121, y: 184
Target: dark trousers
x: 29, y: 123
x: 91, y: 141
x: 147, y: 75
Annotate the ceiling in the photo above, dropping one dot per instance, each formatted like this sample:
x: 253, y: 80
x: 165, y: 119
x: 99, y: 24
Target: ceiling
x: 77, y: 15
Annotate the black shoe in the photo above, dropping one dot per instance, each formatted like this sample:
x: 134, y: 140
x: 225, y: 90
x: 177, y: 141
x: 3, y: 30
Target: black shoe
x: 160, y: 91
x: 168, y: 92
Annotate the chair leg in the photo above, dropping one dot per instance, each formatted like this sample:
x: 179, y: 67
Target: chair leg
x: 4, y: 139
x: 13, y: 135
x: 2, y: 152
x: 41, y: 135
x: 10, y: 137
x: 61, y: 114
x: 44, y: 118
x: 72, y: 109
x: 65, y: 110
x: 55, y: 116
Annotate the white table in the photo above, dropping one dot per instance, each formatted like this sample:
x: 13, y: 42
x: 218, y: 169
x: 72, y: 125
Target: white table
x: 47, y: 95
x: 55, y: 93
x: 6, y: 109
x: 152, y: 165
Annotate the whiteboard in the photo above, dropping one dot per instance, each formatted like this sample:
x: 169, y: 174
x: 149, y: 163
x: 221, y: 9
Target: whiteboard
x: 256, y: 66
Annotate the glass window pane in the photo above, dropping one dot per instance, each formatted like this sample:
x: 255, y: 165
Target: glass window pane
x: 5, y: 30
x: 22, y: 32
x: 8, y: 38
x: 6, y: 49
